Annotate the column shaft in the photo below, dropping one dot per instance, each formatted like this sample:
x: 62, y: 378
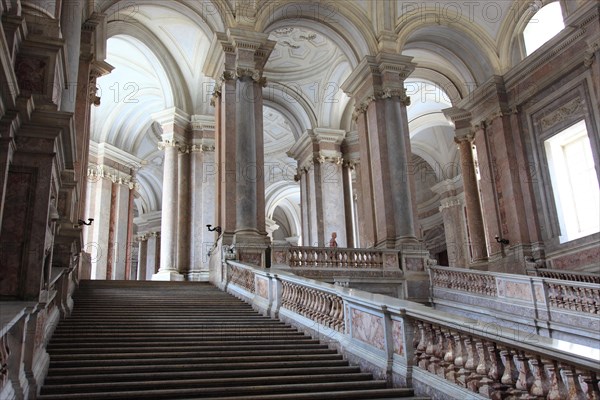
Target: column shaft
x: 168, y: 227
x: 142, y: 258
x: 474, y: 217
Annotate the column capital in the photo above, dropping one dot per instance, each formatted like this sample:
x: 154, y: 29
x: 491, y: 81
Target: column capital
x: 380, y: 76
x: 238, y: 53
x: 175, y: 124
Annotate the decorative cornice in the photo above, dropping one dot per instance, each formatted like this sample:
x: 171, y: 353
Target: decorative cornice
x: 100, y: 171
x: 168, y: 143
x: 203, y: 122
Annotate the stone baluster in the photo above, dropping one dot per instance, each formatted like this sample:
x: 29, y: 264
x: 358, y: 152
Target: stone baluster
x: 471, y: 377
x: 448, y: 361
x: 460, y: 359
x: 483, y: 367
x: 574, y: 391
x: 589, y: 384
x: 495, y: 372
x: 556, y: 390
x: 523, y: 382
x: 539, y: 386
x: 509, y: 377
x: 436, y: 356
x: 420, y: 354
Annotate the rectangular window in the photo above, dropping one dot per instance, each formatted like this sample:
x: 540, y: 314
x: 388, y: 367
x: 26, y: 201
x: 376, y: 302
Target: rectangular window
x: 574, y: 182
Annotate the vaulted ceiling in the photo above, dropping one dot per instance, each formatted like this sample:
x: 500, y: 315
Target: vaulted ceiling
x: 158, y: 49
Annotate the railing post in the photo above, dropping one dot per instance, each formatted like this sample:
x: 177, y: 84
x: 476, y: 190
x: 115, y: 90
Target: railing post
x: 389, y: 344
x: 408, y: 337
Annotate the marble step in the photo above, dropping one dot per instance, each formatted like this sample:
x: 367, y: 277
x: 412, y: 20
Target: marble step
x: 184, y: 367
x: 208, y: 392
x: 105, y: 376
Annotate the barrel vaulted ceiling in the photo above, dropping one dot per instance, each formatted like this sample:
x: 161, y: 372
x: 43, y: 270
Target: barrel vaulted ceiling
x: 158, y: 49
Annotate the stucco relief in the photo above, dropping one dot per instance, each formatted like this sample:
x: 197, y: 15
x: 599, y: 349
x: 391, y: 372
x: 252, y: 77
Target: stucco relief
x: 515, y: 290
x: 262, y: 288
x: 368, y: 328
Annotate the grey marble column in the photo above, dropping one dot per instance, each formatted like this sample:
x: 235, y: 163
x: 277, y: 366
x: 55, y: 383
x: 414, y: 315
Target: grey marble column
x: 248, y: 169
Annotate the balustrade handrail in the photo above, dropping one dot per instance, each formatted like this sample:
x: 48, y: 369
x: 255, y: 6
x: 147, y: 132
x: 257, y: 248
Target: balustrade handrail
x: 562, y: 351
x: 575, y: 276
x: 338, y: 257
x: 528, y: 278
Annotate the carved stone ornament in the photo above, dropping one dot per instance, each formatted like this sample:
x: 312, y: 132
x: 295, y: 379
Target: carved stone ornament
x: 167, y: 143
x: 572, y: 107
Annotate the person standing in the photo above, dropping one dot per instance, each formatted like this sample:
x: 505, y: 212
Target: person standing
x: 332, y: 241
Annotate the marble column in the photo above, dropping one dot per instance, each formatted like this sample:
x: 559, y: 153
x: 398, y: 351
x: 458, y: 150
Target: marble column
x: 452, y: 208
x: 8, y: 125
x: 98, y: 241
x: 377, y: 85
x: 168, y: 239
x: 203, y: 195
x: 319, y: 157
x: 236, y: 60
x: 142, y: 257
x: 175, y: 124
x: 185, y: 217
x: 111, y: 187
x: 464, y: 137
x: 351, y: 155
x: 118, y: 231
x: 153, y: 255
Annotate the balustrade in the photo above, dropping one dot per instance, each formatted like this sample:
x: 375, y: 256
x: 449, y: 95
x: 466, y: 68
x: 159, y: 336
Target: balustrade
x: 563, y: 294
x: 499, y: 371
x: 495, y: 363
x: 467, y: 281
x: 322, y: 307
x: 336, y: 257
x: 565, y: 275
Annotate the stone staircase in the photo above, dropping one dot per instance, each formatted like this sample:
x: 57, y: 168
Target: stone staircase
x: 185, y: 340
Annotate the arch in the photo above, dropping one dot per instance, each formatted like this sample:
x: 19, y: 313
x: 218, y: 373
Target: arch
x: 346, y: 25
x: 475, y: 42
x: 178, y: 90
x: 511, y: 48
x: 279, y: 194
x: 289, y: 100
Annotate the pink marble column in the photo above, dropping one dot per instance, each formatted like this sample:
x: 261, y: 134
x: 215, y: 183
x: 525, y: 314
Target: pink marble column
x: 236, y: 59
x: 377, y: 85
x: 478, y: 250
x: 142, y: 257
x: 319, y: 157
x: 452, y: 208
x: 463, y: 137
x: 184, y: 212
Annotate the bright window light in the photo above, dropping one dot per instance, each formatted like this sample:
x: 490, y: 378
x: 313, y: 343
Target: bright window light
x: 574, y: 182
x: 543, y: 26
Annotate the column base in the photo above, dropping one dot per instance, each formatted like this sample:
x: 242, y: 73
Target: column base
x: 198, y: 276
x: 251, y: 246
x: 168, y: 276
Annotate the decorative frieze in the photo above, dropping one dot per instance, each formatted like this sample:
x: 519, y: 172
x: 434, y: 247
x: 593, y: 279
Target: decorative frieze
x: 574, y: 106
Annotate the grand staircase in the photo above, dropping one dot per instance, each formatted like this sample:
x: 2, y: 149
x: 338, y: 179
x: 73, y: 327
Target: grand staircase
x: 182, y: 340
